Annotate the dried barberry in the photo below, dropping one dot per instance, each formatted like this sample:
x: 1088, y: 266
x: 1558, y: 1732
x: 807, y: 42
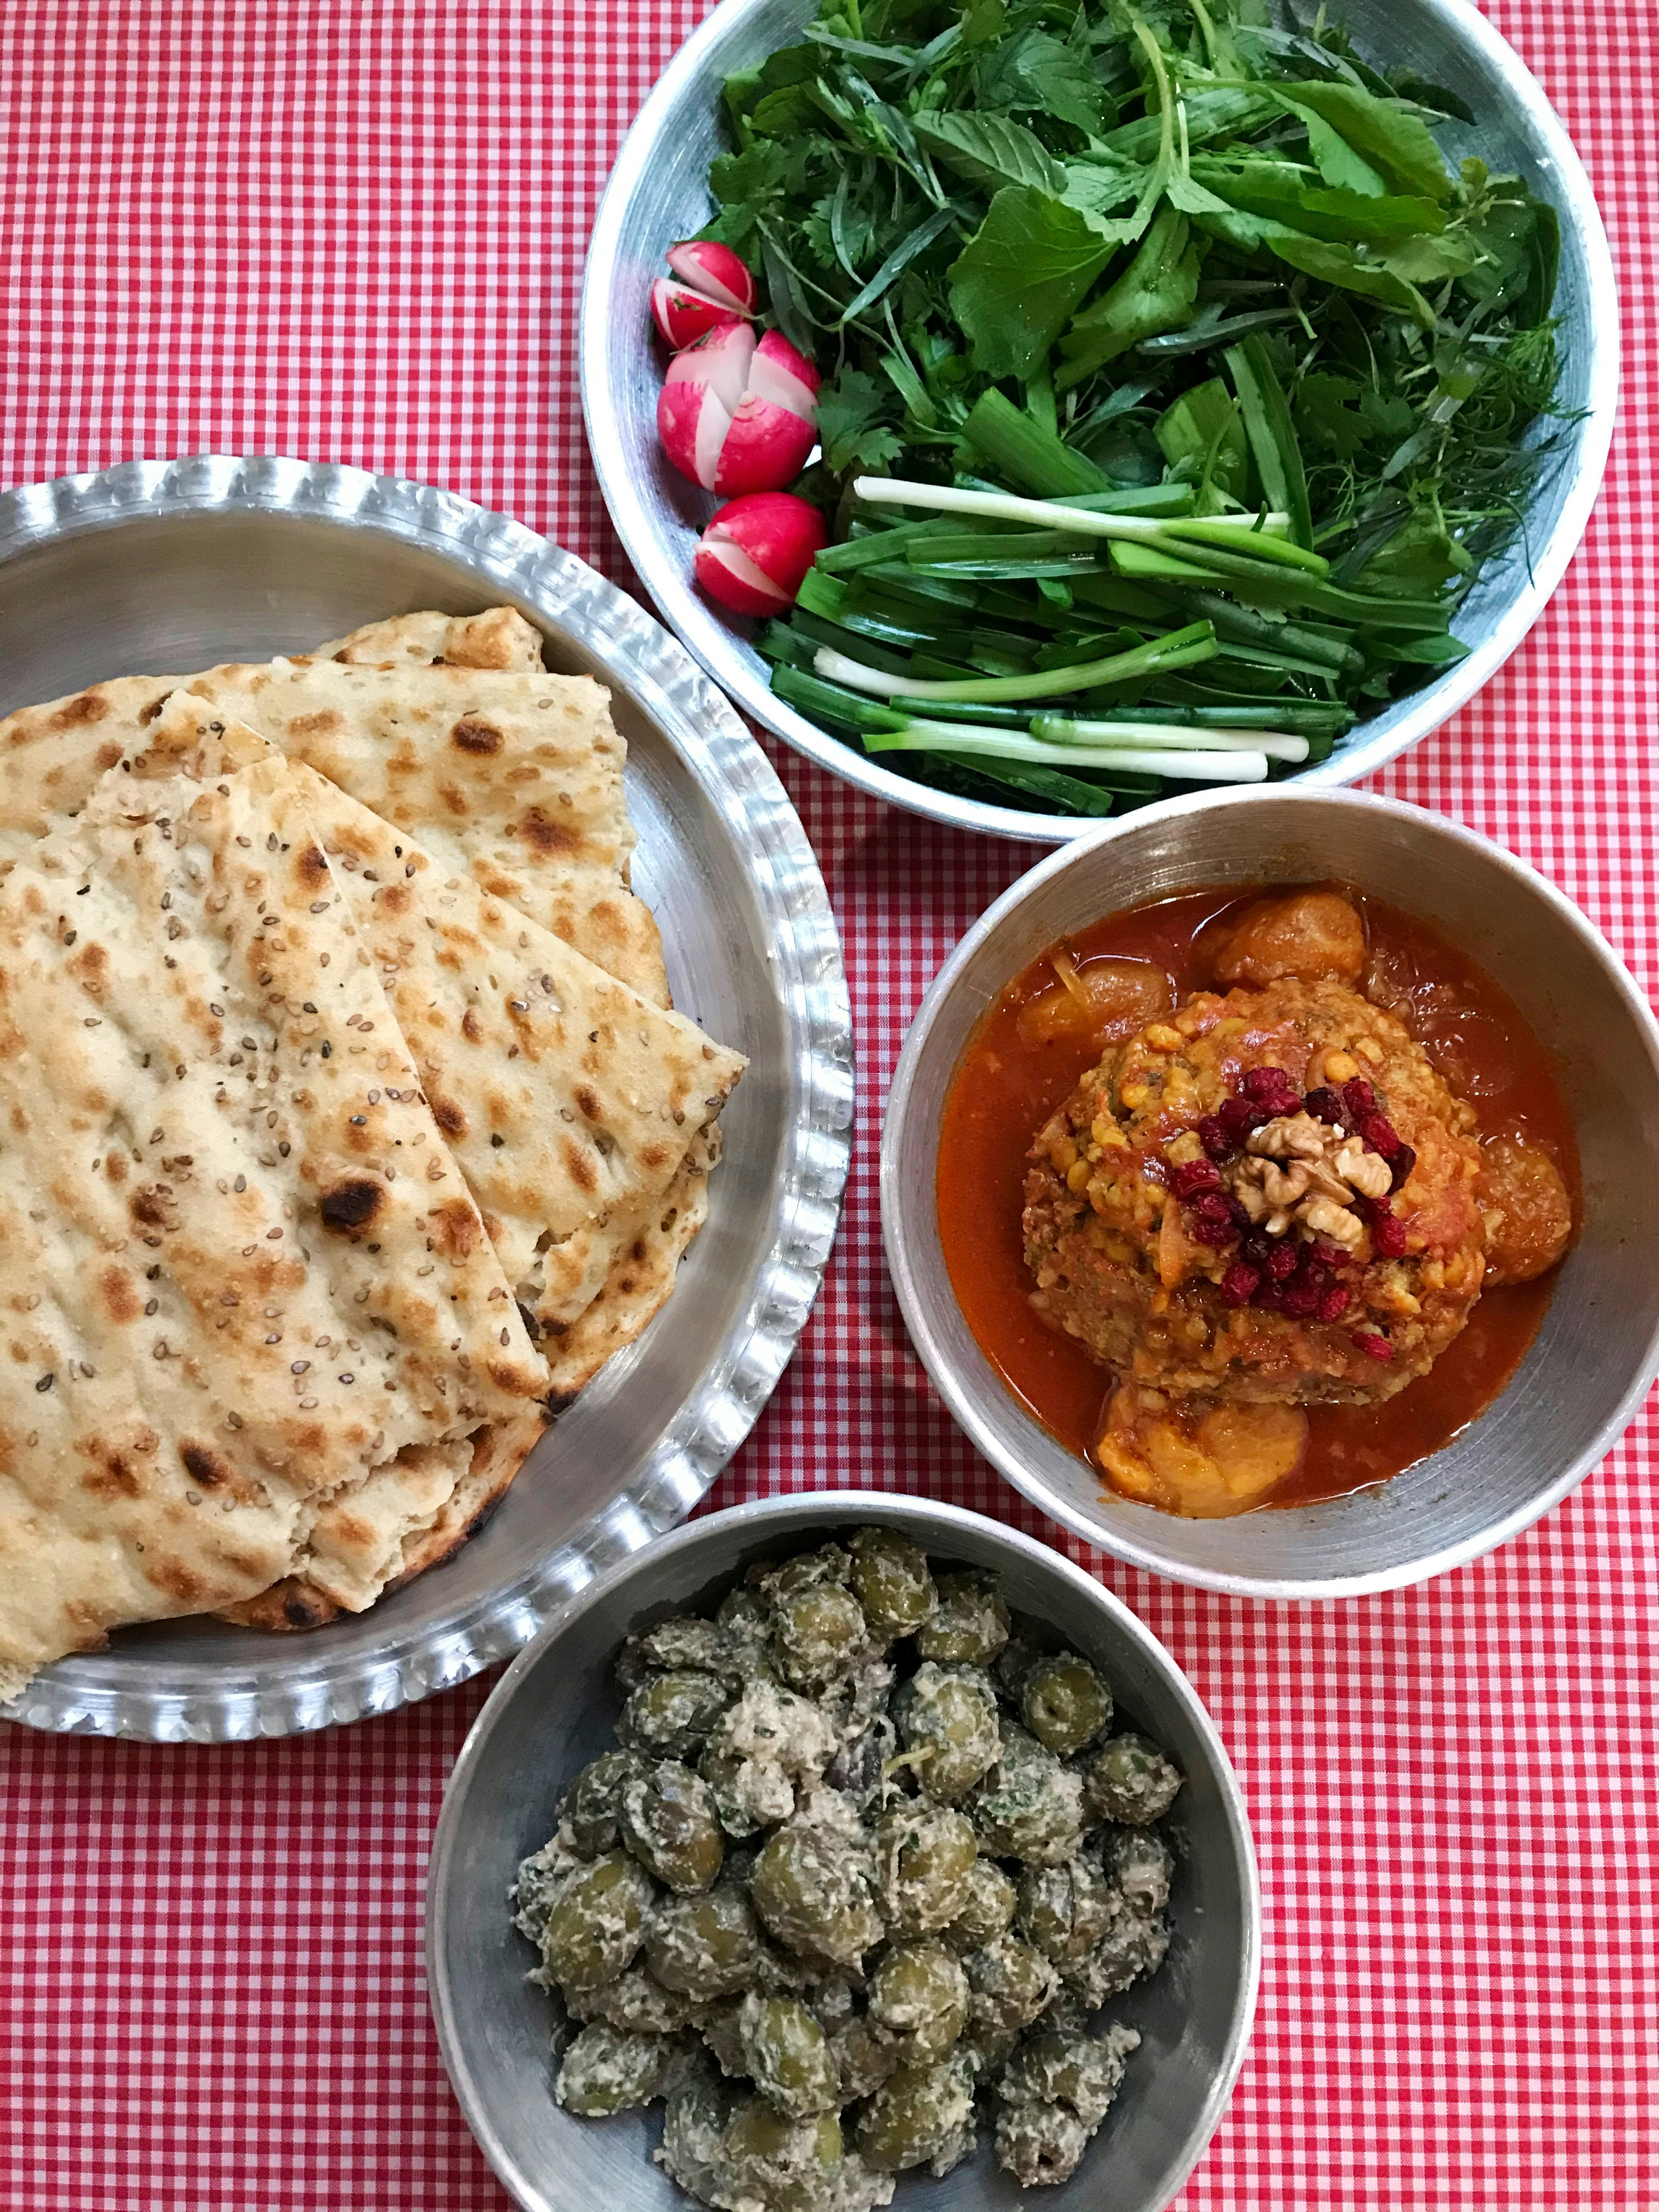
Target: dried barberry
x: 1239, y: 1284
x: 1188, y: 1177
x: 1334, y: 1302
x: 1325, y: 1105
x: 1281, y: 1262
x: 1378, y: 1346
x: 1380, y: 1133
x: 1400, y: 1166
x: 1215, y: 1137
x: 1358, y: 1096
x: 1389, y: 1237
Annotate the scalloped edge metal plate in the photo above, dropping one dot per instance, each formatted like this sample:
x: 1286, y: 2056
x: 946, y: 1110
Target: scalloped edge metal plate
x: 291, y: 1688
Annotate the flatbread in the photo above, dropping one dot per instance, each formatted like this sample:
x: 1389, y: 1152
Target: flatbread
x: 219, y: 1184
x: 570, y: 1103
x: 642, y: 1278
x: 500, y: 637
x: 515, y: 779
x: 529, y: 796
x: 52, y: 757
x: 383, y: 1533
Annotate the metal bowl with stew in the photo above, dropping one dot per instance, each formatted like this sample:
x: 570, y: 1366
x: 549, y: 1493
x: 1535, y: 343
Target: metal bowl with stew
x: 1266, y: 1191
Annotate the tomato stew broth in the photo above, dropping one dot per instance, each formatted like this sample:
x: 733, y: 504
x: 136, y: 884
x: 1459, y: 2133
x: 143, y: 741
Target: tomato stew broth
x: 1012, y: 1077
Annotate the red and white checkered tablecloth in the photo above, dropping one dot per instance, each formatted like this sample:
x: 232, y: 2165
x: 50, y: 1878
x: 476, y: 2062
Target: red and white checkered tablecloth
x: 355, y: 231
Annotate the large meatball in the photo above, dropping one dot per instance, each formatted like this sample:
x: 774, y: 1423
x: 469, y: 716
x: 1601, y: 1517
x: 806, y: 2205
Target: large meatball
x: 1317, y: 935
x: 1528, y: 1212
x: 1211, y: 1212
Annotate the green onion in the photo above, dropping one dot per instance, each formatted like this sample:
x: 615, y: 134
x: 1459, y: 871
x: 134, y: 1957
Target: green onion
x: 1180, y: 649
x: 1062, y: 730
x: 964, y: 741
x: 1078, y: 521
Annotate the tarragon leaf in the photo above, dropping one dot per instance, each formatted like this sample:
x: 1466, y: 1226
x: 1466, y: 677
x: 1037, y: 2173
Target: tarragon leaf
x: 1016, y: 283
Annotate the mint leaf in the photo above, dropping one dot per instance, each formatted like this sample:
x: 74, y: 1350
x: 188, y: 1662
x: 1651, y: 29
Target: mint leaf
x: 851, y: 426
x: 1042, y: 73
x: 1387, y: 137
x: 1155, y: 293
x: 1017, y: 282
x: 992, y: 151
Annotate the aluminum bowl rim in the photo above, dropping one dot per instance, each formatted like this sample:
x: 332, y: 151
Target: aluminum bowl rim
x: 826, y: 1507
x: 292, y: 1688
x: 1435, y: 704
x: 899, y: 1239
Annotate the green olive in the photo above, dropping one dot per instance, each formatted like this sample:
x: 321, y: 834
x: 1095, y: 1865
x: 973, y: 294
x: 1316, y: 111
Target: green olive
x: 817, y: 1632
x: 637, y: 2001
x: 671, y: 1715
x: 1143, y: 1866
x: 592, y: 1804
x: 670, y: 1824
x: 1009, y: 1987
x: 892, y: 1582
x: 919, y: 1992
x: 1130, y: 1781
x: 920, y: 2116
x: 1082, y: 2071
x: 925, y: 1854
x: 949, y: 1717
x: 829, y: 1563
x: 673, y: 1645
x: 785, y: 2165
x: 816, y: 1896
x: 710, y: 1945
x: 596, y: 1923
x: 1064, y: 1703
x: 1013, y: 1663
x: 1039, y: 2144
x: 1065, y: 1910
x: 1029, y: 1806
x: 971, y: 1624
x: 863, y: 2058
x: 607, y: 2069
x: 788, y: 2057
x: 988, y: 1908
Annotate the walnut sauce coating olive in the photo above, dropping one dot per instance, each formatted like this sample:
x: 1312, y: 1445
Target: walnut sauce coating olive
x: 1029, y: 1806
x: 971, y: 1624
x: 947, y: 1717
x: 925, y: 1857
x: 669, y: 1823
x: 609, y: 2069
x: 918, y: 1993
x: 668, y: 1716
x: 859, y: 1855
x: 1131, y: 1781
x: 596, y: 1923
x: 788, y: 2057
x: 1064, y: 1703
x: 920, y: 2116
x: 814, y: 1888
x: 892, y: 1582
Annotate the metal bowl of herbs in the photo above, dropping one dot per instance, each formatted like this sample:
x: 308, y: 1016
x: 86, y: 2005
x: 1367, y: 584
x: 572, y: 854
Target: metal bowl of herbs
x: 1316, y: 328
x: 556, y: 1711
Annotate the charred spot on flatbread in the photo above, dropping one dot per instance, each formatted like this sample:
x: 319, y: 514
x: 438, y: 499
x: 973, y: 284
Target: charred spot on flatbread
x: 448, y: 1116
x: 117, y: 1290
x: 539, y: 829
x: 312, y: 867
x: 85, y: 706
x: 351, y: 1206
x: 472, y: 735
x: 204, y: 1465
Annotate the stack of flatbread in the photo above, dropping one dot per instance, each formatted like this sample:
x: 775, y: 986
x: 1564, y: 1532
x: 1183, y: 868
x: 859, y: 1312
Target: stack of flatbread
x: 346, y: 1124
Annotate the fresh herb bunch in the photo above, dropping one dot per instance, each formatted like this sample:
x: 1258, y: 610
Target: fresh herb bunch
x: 1172, y: 262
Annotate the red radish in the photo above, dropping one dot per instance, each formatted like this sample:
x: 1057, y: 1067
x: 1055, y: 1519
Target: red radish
x: 683, y: 316
x: 756, y: 552
x: 737, y: 414
x: 716, y: 271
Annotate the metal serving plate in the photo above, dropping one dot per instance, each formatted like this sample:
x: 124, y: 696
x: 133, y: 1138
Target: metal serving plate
x: 1590, y: 1366
x: 659, y: 192
x: 556, y: 1709
x: 178, y: 565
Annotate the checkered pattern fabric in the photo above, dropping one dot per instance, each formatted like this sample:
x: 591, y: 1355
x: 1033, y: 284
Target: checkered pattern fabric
x: 353, y: 229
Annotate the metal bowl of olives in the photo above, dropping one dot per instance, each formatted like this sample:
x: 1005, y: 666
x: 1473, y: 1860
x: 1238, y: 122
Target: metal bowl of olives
x: 610, y: 1672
